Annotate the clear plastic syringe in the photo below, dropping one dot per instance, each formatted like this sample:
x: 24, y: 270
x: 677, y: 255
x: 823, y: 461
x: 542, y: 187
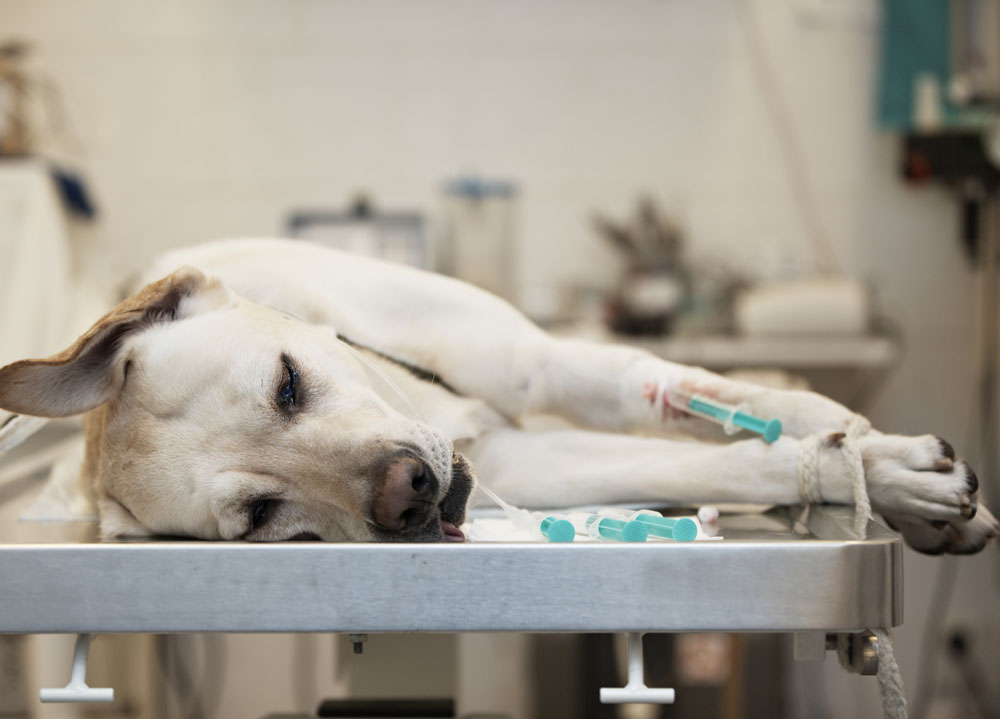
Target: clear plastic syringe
x: 731, y: 417
x: 682, y: 529
x: 599, y: 526
x: 539, y: 524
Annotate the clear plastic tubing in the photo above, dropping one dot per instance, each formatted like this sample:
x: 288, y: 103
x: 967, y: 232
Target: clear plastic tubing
x: 731, y: 417
x: 538, y: 524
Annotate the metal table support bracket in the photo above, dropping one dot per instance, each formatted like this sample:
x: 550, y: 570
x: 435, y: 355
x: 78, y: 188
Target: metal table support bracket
x: 862, y: 652
x: 862, y: 649
x: 636, y: 691
x: 77, y: 690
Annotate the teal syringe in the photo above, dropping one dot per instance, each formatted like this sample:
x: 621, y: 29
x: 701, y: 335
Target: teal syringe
x: 538, y: 524
x: 598, y: 526
x: 731, y: 417
x: 556, y: 529
x: 679, y: 530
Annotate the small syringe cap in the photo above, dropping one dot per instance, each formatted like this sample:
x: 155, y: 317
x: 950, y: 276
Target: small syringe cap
x: 557, y: 530
x: 685, y: 530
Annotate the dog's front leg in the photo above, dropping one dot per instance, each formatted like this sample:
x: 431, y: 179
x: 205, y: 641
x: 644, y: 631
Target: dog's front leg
x: 915, y: 481
x: 575, y: 467
x: 623, y: 389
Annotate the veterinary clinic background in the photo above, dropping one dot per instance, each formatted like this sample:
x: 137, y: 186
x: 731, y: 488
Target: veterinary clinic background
x: 799, y: 192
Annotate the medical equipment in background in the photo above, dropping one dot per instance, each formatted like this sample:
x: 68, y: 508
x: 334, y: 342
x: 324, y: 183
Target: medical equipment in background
x: 939, y: 88
x: 364, y: 229
x: 811, y: 306
x: 950, y: 135
x: 650, y: 290
x: 939, y: 65
x: 478, y: 241
x: 975, y: 53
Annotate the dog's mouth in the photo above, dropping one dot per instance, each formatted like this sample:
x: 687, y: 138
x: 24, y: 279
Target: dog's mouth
x: 452, y: 507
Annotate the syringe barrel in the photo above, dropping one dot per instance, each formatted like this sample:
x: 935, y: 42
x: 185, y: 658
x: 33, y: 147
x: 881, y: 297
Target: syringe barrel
x: 731, y: 417
x: 680, y: 529
x: 700, y: 405
x: 597, y: 526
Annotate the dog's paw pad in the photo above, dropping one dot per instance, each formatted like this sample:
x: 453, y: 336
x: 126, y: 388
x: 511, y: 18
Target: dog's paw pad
x: 939, y: 537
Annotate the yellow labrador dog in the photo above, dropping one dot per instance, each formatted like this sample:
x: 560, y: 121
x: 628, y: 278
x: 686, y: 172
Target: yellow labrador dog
x: 273, y: 389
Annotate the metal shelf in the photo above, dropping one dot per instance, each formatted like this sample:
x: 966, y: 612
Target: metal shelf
x: 727, y: 351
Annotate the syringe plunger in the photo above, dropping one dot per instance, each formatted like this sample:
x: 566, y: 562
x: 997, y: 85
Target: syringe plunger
x: 557, y: 530
x: 598, y: 526
x: 682, y: 529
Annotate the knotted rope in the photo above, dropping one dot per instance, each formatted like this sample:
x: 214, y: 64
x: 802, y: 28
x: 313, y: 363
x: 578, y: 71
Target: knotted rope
x: 889, y: 679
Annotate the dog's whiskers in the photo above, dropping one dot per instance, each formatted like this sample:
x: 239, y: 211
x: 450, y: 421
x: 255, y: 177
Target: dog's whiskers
x: 385, y: 378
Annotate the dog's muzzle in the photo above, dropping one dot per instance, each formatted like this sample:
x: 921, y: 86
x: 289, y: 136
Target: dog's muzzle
x: 407, y: 507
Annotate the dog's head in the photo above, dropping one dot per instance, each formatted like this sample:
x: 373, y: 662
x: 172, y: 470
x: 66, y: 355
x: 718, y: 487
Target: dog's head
x: 214, y: 417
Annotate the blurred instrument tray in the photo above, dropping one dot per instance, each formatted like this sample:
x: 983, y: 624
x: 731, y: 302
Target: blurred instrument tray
x: 725, y: 351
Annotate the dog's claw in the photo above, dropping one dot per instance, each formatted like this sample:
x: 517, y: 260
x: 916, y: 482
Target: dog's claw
x: 973, y: 481
x: 946, y: 449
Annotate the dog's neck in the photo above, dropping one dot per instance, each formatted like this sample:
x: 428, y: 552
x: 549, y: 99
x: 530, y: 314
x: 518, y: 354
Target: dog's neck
x: 419, y: 373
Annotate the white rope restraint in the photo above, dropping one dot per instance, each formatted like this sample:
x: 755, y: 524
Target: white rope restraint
x: 890, y: 682
x: 808, y: 472
x: 889, y: 679
x: 857, y: 427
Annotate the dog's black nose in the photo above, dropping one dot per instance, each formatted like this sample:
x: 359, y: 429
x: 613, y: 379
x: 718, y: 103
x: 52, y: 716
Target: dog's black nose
x: 406, y: 496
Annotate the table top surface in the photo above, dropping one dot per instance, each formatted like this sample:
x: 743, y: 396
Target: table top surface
x: 787, y: 569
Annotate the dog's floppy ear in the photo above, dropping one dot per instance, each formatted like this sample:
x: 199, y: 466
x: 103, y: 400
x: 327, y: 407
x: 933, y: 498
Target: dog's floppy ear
x: 86, y: 375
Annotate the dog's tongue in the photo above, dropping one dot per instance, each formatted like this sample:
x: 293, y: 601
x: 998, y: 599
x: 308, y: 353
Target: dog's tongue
x: 451, y: 532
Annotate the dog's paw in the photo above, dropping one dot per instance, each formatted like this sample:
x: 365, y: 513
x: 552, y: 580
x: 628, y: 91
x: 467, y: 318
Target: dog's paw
x: 966, y: 537
x: 931, y: 497
x: 918, y: 477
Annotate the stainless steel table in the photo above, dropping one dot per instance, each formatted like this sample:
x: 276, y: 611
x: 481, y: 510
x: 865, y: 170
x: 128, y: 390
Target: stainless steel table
x: 785, y: 570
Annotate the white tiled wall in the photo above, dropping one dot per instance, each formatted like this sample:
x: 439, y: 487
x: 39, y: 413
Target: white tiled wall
x: 207, y: 119
x: 196, y: 119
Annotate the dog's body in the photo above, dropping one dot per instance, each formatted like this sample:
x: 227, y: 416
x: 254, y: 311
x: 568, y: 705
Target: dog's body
x: 305, y: 392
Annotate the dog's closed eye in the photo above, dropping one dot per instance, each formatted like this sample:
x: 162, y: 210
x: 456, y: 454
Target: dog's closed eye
x: 288, y: 398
